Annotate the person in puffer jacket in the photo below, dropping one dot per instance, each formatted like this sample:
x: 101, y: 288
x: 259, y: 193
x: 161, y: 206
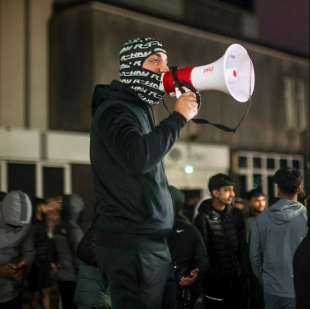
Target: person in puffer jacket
x: 275, y: 235
x: 222, y: 227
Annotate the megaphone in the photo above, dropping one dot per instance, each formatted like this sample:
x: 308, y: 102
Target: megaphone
x: 233, y: 74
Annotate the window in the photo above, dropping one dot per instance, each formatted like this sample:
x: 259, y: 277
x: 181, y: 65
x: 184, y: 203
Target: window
x: 255, y: 169
x: 244, y: 4
x: 21, y: 176
x: 53, y: 181
x: 35, y: 178
x: 242, y: 162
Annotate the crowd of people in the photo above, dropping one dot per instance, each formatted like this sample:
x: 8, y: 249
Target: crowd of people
x: 225, y: 256
x: 38, y: 246
x: 141, y: 251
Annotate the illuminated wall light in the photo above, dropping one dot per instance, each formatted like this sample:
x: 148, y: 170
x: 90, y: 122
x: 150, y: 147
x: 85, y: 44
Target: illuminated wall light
x: 189, y: 169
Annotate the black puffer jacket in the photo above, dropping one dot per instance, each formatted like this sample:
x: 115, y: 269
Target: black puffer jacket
x: 224, y: 236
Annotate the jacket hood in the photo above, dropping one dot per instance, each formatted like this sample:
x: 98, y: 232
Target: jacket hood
x: 16, y: 209
x: 206, y: 204
x: 284, y: 211
x: 72, y: 206
x: 115, y: 91
x: 15, y: 217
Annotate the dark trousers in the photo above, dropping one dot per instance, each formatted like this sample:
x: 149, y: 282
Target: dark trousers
x: 170, y: 292
x: 15, y: 303
x: 256, y: 294
x: 66, y: 291
x: 136, y: 277
x: 224, y: 293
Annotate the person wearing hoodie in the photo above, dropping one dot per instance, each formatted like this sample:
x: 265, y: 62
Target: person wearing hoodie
x: 275, y: 235
x: 16, y: 247
x: 223, y: 230
x: 302, y: 270
x: 189, y: 256
x: 67, y: 235
x: 134, y: 208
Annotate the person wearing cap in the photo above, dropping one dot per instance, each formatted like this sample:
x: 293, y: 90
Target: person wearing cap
x: 134, y: 208
x: 223, y: 230
x: 275, y: 235
x: 16, y: 247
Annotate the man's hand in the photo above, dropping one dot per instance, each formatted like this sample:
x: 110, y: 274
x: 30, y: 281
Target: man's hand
x: 15, y: 271
x: 189, y: 280
x: 54, y: 267
x: 6, y: 271
x: 19, y: 270
x: 187, y: 105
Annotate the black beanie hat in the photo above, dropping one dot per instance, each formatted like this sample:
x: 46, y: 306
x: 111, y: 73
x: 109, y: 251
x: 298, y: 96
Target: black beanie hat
x: 219, y: 180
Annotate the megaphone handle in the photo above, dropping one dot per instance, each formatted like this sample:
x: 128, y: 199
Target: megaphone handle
x: 181, y: 88
x: 178, y: 92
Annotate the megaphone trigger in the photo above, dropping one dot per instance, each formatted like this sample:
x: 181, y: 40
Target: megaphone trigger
x: 198, y: 98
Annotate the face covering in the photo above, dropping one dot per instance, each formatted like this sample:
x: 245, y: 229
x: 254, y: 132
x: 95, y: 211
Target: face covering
x: 144, y: 82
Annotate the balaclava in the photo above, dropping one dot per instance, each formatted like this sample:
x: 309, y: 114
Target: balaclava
x: 144, y: 82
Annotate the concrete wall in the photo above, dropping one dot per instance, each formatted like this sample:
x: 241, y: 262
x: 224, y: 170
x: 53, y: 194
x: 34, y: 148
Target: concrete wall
x: 24, y: 63
x: 12, y: 69
x: 86, y: 41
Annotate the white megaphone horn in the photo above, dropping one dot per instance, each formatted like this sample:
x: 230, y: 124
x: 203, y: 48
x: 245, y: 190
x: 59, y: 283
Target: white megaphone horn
x: 233, y: 74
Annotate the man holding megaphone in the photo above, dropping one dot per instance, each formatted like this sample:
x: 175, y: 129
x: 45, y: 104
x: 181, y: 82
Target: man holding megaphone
x: 134, y: 207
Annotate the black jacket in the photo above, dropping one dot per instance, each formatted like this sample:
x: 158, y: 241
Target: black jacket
x: 126, y: 152
x: 44, y: 246
x: 187, y: 249
x: 302, y: 273
x: 225, y: 239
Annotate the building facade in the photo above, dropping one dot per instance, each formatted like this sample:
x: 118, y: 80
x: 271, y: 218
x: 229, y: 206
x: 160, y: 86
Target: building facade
x: 50, y: 64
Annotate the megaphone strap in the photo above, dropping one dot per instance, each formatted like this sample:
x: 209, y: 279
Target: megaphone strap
x: 182, y: 88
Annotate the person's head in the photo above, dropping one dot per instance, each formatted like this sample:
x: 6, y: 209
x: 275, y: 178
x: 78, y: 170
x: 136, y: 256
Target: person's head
x: 221, y: 188
x: 16, y: 209
x: 288, y: 181
x: 142, y: 61
x: 40, y: 209
x: 239, y: 203
x: 256, y: 200
x: 72, y: 207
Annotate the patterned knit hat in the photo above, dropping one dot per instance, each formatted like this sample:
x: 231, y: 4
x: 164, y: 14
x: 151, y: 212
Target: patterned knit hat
x: 144, y: 82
